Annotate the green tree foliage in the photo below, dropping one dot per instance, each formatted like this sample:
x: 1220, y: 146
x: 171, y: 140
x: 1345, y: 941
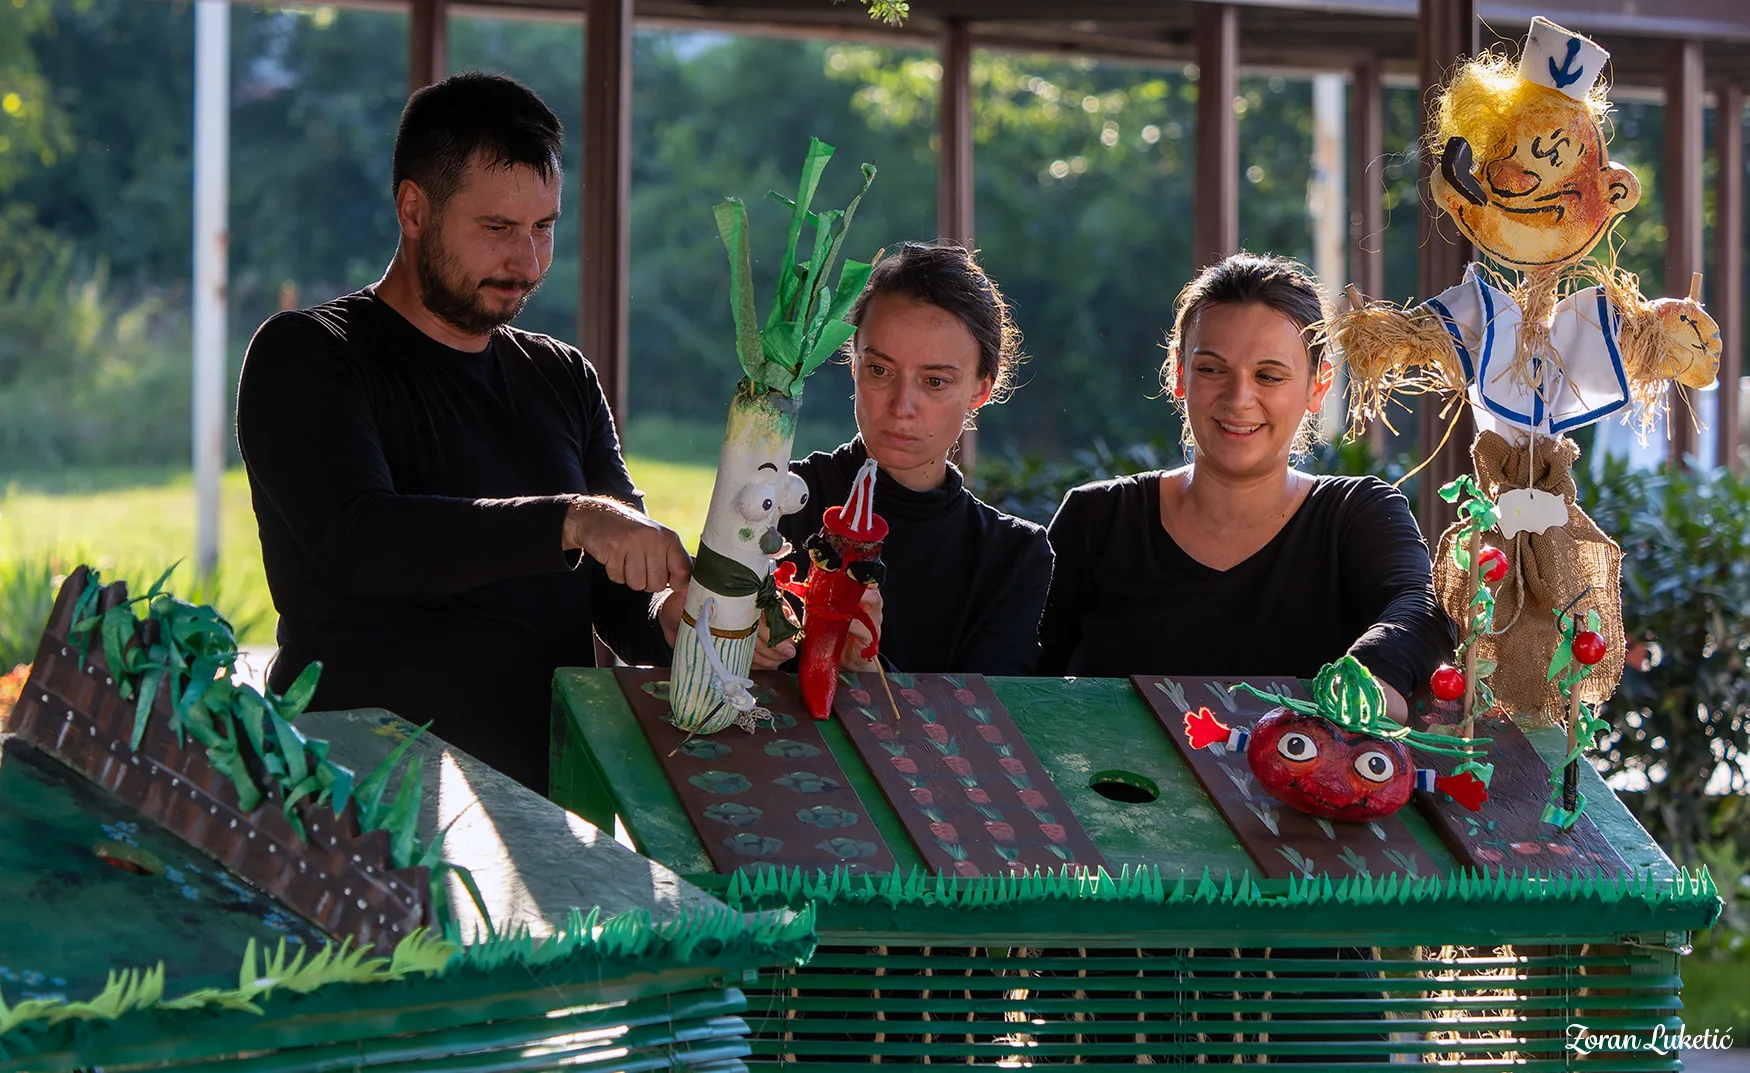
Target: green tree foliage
x: 1083, y: 179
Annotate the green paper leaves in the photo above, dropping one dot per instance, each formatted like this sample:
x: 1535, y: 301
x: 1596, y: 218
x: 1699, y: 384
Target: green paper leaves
x: 188, y: 653
x: 805, y: 325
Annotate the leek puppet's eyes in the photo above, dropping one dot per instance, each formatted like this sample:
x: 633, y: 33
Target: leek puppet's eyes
x: 795, y: 494
x: 1375, y: 766
x: 1297, y: 746
x: 756, y: 501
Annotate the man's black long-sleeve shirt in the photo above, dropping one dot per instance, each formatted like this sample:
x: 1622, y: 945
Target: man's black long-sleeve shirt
x: 965, y: 582
x: 1349, y: 573
x: 411, y: 499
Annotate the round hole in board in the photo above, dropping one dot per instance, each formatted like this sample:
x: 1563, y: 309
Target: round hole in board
x: 1127, y: 786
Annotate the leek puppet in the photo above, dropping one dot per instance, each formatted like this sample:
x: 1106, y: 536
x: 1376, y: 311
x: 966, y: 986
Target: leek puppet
x: 732, y: 586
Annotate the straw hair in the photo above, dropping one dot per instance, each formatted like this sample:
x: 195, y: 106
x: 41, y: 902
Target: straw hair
x: 1487, y: 104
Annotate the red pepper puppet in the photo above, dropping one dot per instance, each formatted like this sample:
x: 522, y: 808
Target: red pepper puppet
x: 1340, y: 757
x: 844, y: 563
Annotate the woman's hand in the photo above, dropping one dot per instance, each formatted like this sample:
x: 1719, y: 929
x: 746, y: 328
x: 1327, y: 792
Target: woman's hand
x: 860, y: 638
x: 1395, y: 705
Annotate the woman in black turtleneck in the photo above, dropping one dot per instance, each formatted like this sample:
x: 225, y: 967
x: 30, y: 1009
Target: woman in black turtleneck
x: 965, y: 583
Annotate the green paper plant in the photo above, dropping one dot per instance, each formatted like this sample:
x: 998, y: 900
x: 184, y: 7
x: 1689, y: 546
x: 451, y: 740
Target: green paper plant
x: 189, y: 652
x: 1477, y: 515
x: 1566, y: 802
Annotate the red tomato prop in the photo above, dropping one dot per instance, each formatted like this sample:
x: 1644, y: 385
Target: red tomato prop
x: 1493, y: 563
x: 1447, y: 683
x: 844, y: 563
x: 1588, y: 647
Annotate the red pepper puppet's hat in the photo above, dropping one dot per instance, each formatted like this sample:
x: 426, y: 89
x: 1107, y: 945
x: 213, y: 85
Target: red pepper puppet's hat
x: 857, y: 519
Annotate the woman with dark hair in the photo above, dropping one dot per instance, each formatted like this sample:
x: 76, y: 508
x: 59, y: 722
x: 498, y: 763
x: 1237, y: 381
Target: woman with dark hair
x: 1236, y: 563
x: 964, y: 583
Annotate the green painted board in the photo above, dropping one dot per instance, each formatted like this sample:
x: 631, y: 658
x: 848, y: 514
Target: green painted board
x: 56, y: 829
x: 1079, y: 729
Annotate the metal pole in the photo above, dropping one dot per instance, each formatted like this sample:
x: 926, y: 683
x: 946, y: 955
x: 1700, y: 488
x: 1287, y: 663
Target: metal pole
x: 1367, y: 198
x: 954, y: 185
x: 1448, y: 35
x: 1683, y: 197
x: 1728, y: 273
x: 607, y: 188
x: 1216, y: 230
x: 428, y: 43
x: 1330, y: 217
x: 212, y: 148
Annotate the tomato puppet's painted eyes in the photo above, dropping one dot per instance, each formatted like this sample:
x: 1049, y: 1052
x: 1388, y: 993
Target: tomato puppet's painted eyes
x: 1375, y: 766
x: 1297, y: 746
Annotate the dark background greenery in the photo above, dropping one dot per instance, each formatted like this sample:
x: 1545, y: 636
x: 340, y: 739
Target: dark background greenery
x: 97, y: 171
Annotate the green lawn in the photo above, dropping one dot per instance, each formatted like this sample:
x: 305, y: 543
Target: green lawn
x: 134, y: 523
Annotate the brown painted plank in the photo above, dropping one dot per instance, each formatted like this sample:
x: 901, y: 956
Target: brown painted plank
x: 776, y: 797
x: 1508, y: 831
x: 1282, y: 841
x: 962, y: 778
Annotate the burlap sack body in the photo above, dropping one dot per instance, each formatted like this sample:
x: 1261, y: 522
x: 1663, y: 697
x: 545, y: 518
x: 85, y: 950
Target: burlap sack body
x: 1547, y: 570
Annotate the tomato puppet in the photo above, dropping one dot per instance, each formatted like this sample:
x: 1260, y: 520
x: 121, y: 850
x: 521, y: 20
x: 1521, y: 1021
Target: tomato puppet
x: 1340, y: 757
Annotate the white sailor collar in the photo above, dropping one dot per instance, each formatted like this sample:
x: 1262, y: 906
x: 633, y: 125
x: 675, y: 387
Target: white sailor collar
x: 1484, y: 321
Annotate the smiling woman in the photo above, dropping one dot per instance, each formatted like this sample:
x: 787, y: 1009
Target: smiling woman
x: 1237, y: 563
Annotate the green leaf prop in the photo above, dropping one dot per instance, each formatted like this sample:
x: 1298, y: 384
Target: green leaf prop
x: 189, y: 653
x: 805, y: 324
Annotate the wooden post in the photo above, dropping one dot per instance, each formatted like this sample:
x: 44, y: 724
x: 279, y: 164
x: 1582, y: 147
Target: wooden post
x: 1448, y: 35
x: 1728, y: 272
x: 954, y: 178
x: 1367, y: 198
x: 1216, y: 230
x: 1683, y: 198
x: 427, y: 43
x: 607, y: 187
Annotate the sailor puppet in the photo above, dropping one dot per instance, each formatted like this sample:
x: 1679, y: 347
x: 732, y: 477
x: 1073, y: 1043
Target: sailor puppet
x: 1537, y: 338
x: 1524, y: 171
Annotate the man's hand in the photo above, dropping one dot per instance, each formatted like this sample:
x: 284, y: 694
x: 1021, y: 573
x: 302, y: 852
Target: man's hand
x: 669, y: 608
x: 860, y: 638
x: 636, y: 550
x: 767, y: 656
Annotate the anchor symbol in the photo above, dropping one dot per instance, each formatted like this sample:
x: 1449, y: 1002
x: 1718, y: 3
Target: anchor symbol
x: 1567, y: 75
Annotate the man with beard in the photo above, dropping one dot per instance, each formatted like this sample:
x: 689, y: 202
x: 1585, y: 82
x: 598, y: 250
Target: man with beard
x: 445, y: 515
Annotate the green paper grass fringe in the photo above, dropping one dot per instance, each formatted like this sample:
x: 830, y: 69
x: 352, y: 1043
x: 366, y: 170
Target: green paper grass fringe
x: 697, y: 935
x: 259, y: 976
x: 1149, y: 886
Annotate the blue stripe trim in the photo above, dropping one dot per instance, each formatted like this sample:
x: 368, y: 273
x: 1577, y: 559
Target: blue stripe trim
x: 1609, y: 324
x: 1451, y: 323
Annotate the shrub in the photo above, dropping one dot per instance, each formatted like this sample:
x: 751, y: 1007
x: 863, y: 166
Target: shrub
x: 1681, y: 721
